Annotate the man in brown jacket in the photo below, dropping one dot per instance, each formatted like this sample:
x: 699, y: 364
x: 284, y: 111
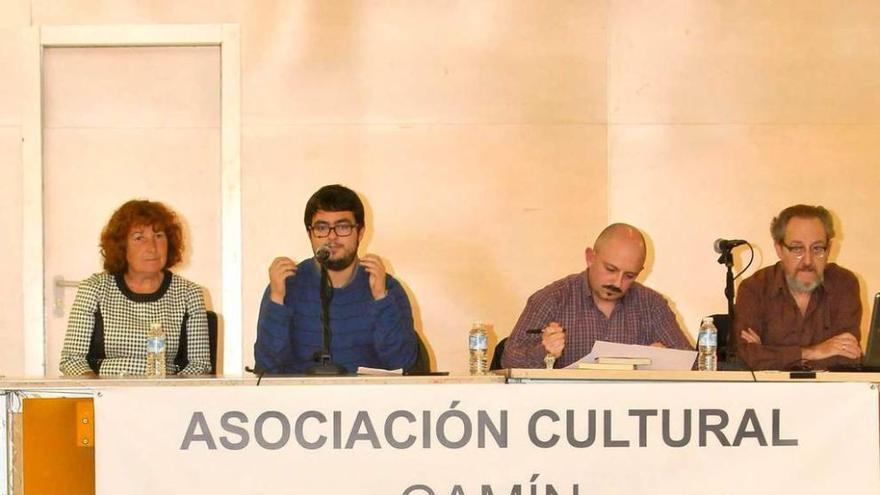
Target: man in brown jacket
x: 802, y: 311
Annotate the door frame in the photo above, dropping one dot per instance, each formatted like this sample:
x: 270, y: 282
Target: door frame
x: 35, y: 39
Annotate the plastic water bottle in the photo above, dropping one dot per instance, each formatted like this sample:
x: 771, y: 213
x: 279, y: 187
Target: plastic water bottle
x: 478, y: 343
x: 707, y: 345
x: 156, y: 351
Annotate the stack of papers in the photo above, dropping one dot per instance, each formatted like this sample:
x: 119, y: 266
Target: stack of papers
x: 605, y: 354
x: 363, y: 370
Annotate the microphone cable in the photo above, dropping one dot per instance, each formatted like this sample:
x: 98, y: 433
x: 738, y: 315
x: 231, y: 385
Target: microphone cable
x: 259, y: 373
x: 751, y: 259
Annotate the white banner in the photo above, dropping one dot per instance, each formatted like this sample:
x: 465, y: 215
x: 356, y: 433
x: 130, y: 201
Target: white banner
x: 576, y: 438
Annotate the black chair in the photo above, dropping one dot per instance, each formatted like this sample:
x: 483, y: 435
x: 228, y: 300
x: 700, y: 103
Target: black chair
x: 423, y: 360
x: 726, y: 342
x: 212, y: 339
x: 496, y: 358
x: 181, y: 360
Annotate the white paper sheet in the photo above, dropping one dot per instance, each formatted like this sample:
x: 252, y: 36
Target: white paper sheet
x: 661, y: 358
x: 363, y: 370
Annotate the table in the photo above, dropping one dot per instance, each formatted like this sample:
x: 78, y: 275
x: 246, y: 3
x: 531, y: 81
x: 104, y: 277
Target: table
x: 521, y: 431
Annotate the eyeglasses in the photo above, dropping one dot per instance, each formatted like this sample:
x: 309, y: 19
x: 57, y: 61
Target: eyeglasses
x: 818, y: 252
x: 341, y: 229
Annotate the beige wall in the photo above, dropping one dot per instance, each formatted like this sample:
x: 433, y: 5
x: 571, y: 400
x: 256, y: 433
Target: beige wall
x: 733, y: 111
x: 492, y: 140
x: 13, y: 15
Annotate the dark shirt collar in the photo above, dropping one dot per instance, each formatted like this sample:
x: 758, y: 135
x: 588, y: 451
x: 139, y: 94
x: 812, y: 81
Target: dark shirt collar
x: 780, y: 286
x: 155, y: 296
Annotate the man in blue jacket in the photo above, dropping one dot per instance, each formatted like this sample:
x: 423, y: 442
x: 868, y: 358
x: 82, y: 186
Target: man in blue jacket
x: 370, y: 315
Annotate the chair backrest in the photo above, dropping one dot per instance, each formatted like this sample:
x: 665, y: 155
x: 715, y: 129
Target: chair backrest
x: 423, y: 360
x: 496, y: 358
x: 212, y: 339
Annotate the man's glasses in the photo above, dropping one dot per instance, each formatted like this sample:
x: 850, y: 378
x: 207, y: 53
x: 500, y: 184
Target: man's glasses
x: 341, y: 229
x: 818, y: 252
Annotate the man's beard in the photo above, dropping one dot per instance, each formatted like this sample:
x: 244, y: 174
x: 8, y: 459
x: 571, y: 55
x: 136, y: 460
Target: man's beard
x: 799, y: 287
x: 342, y: 263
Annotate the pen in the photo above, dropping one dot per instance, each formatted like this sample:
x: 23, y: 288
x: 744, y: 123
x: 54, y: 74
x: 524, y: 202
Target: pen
x: 535, y: 331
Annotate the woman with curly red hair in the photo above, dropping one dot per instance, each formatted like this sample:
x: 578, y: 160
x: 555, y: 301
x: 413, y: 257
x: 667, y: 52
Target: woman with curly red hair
x: 113, y: 309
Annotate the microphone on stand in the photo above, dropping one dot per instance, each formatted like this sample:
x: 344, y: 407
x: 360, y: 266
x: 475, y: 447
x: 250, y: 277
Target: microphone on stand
x: 325, y: 365
x: 726, y: 341
x: 722, y: 245
x: 322, y: 254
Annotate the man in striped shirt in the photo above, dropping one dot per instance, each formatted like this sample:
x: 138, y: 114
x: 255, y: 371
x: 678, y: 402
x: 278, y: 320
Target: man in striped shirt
x: 602, y: 303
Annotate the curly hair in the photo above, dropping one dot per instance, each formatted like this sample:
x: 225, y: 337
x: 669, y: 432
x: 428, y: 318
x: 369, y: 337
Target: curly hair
x: 138, y: 213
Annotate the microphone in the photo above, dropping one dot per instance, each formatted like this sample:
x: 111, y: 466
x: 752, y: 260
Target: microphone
x: 324, y: 361
x: 727, y: 244
x: 322, y: 254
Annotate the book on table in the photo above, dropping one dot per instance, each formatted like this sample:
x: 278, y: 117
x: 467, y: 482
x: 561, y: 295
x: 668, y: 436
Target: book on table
x: 605, y: 366
x: 636, y: 361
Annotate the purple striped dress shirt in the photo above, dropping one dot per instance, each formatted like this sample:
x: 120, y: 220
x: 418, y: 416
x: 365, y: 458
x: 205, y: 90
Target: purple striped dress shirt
x: 642, y: 317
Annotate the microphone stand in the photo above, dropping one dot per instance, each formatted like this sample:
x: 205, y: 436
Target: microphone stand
x: 726, y: 259
x: 325, y: 365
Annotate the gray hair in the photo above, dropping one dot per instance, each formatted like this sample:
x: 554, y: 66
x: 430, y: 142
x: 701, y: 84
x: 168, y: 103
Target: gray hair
x: 779, y: 223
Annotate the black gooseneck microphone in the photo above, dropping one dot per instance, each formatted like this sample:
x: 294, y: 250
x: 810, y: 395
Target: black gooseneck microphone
x: 724, y: 247
x: 322, y: 255
x: 727, y: 244
x: 325, y: 365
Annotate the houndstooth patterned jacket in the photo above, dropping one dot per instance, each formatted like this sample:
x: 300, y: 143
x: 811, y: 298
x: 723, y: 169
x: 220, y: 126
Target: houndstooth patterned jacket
x: 107, y: 329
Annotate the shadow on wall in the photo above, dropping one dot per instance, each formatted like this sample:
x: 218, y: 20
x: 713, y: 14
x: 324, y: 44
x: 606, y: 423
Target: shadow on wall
x: 389, y: 269
x: 492, y: 287
x: 864, y: 294
x: 416, y: 314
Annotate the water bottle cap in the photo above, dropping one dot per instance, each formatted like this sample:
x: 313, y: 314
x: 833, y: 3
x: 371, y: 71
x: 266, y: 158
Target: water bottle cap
x: 708, y: 319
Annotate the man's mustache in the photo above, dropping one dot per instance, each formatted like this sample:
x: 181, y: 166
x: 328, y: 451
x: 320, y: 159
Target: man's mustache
x: 613, y: 288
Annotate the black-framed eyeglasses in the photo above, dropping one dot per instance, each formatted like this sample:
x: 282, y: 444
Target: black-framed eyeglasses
x: 341, y: 229
x: 818, y: 251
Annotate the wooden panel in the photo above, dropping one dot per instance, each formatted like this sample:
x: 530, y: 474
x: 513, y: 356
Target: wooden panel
x: 497, y: 61
x: 16, y: 461
x: 54, y: 460
x: 757, y: 61
x: 123, y: 87
x: 11, y: 344
x: 134, y: 35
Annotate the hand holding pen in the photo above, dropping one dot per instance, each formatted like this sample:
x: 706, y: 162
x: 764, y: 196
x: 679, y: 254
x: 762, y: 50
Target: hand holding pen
x: 553, y: 340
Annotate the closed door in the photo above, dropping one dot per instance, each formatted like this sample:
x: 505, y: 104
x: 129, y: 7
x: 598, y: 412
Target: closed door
x: 125, y: 123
